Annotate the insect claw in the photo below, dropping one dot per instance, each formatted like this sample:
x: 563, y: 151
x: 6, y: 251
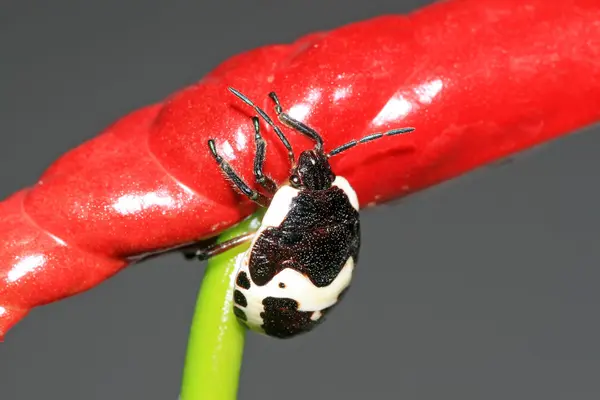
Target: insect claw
x: 278, y: 109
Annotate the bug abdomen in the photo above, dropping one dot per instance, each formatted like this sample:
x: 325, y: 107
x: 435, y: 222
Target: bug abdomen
x: 290, y: 303
x: 298, y: 267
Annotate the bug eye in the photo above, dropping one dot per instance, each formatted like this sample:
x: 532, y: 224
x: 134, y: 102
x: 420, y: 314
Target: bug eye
x: 295, y: 179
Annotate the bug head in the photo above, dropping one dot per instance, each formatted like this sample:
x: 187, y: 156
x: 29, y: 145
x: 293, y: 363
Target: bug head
x: 312, y: 171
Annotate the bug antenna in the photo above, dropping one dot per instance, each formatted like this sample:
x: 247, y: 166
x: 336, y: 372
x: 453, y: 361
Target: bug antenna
x: 368, y: 138
x: 268, y: 120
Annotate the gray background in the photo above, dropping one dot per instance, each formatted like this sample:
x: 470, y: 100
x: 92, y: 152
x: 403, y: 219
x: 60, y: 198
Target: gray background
x: 482, y: 288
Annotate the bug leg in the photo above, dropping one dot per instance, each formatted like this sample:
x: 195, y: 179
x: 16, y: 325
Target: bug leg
x: 205, y: 252
x: 253, y: 195
x: 295, y: 124
x: 269, y: 121
x: 259, y: 160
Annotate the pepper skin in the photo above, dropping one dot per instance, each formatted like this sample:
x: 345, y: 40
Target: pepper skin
x: 479, y: 80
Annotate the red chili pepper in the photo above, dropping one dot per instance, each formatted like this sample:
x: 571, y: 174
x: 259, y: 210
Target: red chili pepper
x: 480, y: 80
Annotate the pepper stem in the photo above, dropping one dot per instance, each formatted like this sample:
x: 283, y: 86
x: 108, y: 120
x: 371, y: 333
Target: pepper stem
x: 216, y: 342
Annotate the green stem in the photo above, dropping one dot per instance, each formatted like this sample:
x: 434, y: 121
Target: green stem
x: 216, y: 341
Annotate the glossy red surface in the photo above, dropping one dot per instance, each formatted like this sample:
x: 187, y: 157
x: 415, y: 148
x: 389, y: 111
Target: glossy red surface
x: 480, y: 80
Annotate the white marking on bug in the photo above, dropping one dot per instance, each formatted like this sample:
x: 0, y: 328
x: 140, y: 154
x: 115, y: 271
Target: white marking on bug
x: 298, y: 287
x: 274, y: 216
x: 279, y: 207
x: 316, y: 315
x: 343, y: 184
x: 2, y: 311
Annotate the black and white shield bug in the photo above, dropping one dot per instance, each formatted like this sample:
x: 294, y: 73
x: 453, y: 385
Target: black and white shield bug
x: 301, y: 259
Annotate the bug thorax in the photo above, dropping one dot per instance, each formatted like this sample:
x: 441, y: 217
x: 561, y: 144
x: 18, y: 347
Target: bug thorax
x: 312, y: 171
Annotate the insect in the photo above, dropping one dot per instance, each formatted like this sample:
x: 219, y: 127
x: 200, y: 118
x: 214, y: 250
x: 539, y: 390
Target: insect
x: 301, y: 259
x: 138, y: 188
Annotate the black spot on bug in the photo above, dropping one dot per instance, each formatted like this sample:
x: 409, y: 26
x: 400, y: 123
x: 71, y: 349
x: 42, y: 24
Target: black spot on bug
x: 239, y: 298
x: 243, y: 281
x: 240, y: 313
x: 282, y: 285
x: 282, y: 319
x: 316, y: 238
